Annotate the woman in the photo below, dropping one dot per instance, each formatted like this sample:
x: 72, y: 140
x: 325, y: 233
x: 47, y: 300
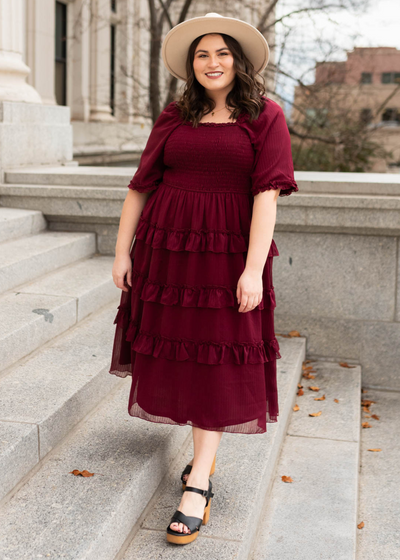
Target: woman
x: 195, y: 325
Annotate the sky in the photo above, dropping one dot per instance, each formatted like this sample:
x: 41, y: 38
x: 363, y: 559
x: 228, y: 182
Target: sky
x: 317, y: 36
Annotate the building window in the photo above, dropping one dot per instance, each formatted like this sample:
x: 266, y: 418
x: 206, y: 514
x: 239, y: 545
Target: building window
x: 366, y: 78
x: 365, y: 116
x: 61, y: 54
x: 112, y: 68
x: 391, y: 78
x: 391, y: 114
x: 114, y: 6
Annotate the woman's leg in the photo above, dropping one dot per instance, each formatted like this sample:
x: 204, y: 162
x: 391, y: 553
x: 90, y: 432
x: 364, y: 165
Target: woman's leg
x: 205, y: 444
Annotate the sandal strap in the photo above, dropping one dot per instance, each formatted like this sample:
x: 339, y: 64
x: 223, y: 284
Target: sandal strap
x: 193, y: 523
x: 206, y: 493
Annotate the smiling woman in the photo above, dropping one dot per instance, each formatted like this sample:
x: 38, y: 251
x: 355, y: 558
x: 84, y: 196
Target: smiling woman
x: 195, y: 326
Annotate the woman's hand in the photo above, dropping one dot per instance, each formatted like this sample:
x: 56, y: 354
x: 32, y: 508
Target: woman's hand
x: 122, y: 266
x: 249, y: 290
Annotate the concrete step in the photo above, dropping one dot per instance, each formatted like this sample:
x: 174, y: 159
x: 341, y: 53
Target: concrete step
x: 15, y: 222
x: 86, y: 176
x: 43, y: 309
x: 90, y: 518
x: 315, y: 516
x: 27, y: 258
x: 379, y: 502
x: 43, y: 397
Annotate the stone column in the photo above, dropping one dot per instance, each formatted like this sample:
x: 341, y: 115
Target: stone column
x: 13, y: 71
x: 124, y: 67
x: 100, y: 109
x: 79, y: 61
x: 40, y: 48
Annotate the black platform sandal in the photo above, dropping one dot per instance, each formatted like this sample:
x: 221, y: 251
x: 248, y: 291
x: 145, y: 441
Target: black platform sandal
x: 188, y: 469
x: 192, y: 523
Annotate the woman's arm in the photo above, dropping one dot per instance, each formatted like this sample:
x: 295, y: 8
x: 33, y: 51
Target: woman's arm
x: 131, y: 210
x: 250, y: 285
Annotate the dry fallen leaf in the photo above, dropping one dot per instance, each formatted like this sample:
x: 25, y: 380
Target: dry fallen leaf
x: 300, y: 392
x: 286, y: 478
x: 375, y: 449
x: 366, y: 425
x: 308, y: 376
x: 319, y: 398
x: 375, y: 416
x: 82, y: 473
x: 299, y: 385
x: 296, y: 407
x: 313, y: 388
x: 345, y: 364
x: 367, y: 402
x: 336, y: 400
x: 294, y: 333
x: 315, y: 413
x: 361, y: 525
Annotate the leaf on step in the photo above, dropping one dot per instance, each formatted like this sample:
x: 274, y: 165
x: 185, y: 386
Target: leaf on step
x: 308, y: 368
x: 375, y: 449
x: 367, y: 416
x: 367, y: 402
x: 296, y: 407
x: 336, y: 400
x: 315, y: 413
x: 366, y: 425
x: 319, y: 398
x: 361, y: 525
x: 300, y: 392
x: 294, y: 333
x: 345, y: 364
x: 299, y: 385
x: 308, y: 361
x: 286, y: 478
x: 82, y: 473
x: 314, y: 388
x: 375, y: 416
x: 308, y: 376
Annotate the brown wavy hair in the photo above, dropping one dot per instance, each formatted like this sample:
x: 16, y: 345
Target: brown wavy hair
x: 245, y: 95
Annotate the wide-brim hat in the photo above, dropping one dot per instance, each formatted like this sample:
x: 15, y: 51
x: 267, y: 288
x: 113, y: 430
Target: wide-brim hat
x: 178, y: 40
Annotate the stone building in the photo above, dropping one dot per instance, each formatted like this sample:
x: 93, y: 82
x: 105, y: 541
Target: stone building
x: 93, y: 57
x: 365, y: 86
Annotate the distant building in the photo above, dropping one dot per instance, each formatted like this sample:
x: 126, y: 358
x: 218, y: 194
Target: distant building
x: 365, y: 86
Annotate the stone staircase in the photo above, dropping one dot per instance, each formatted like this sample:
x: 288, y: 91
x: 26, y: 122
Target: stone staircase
x: 61, y: 410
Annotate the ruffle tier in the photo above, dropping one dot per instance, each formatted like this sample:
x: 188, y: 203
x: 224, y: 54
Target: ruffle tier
x: 204, y: 352
x: 186, y: 239
x: 214, y: 297
x: 180, y: 219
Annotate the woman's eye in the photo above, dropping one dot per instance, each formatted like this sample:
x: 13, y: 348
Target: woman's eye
x: 201, y: 55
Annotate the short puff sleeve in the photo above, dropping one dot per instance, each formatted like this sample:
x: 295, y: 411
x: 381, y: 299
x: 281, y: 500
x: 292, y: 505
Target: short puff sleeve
x: 150, y: 171
x: 273, y: 164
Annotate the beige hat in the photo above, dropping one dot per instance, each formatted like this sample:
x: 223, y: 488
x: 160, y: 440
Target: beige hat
x: 178, y: 40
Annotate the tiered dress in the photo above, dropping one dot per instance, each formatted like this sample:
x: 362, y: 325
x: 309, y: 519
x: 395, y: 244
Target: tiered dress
x: 194, y: 359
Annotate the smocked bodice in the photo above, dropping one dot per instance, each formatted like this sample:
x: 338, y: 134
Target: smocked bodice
x: 215, y: 157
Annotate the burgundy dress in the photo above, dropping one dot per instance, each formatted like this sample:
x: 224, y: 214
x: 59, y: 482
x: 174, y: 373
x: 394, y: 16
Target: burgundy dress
x: 194, y: 359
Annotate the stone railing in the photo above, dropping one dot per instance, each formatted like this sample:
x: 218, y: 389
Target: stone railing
x: 337, y: 279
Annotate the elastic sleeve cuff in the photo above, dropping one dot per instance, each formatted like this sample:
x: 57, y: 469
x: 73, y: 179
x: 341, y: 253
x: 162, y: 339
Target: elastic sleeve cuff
x: 287, y: 187
x: 143, y: 188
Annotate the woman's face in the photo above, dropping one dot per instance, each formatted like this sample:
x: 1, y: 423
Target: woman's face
x: 213, y: 63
